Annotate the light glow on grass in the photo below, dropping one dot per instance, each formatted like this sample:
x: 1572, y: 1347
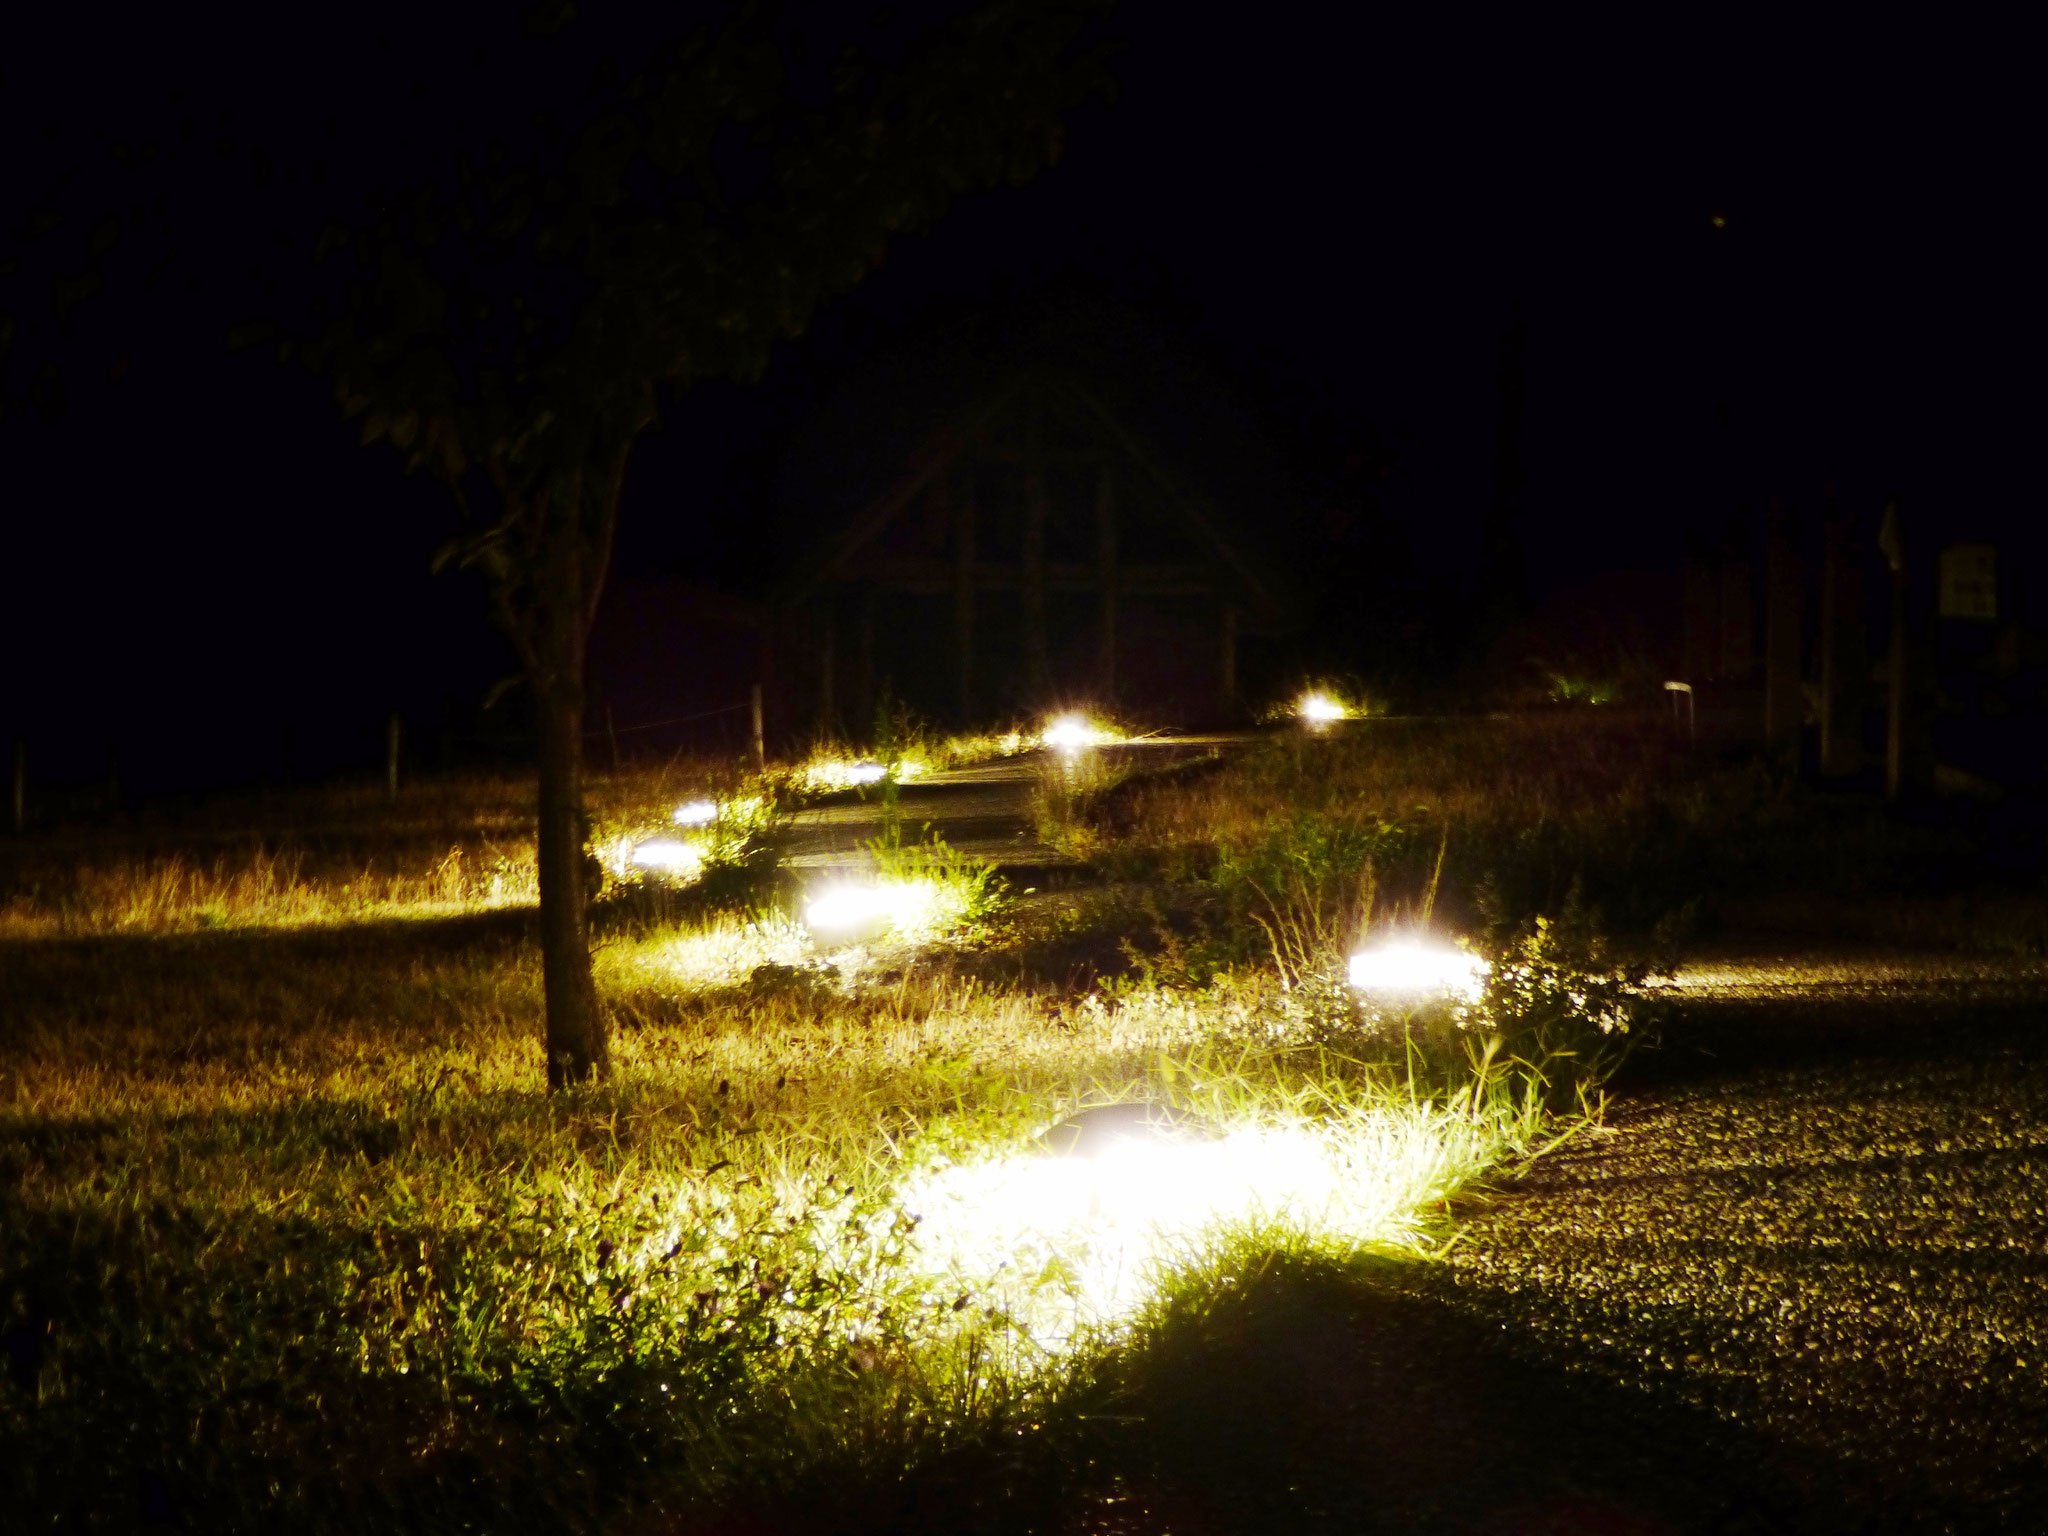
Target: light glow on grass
x: 669, y: 856
x: 904, y: 909
x: 1320, y: 708
x: 1075, y: 733
x: 697, y: 813
x: 1409, y: 967
x: 829, y: 775
x: 1063, y: 1243
x: 726, y: 952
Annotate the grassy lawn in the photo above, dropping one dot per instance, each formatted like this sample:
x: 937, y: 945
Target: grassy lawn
x: 290, y: 1235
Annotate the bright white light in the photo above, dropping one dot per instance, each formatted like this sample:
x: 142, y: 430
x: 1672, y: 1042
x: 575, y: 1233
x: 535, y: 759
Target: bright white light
x: 697, y: 813
x: 1320, y: 708
x: 1070, y: 733
x: 1068, y: 1242
x: 1412, y: 968
x: 826, y: 774
x: 668, y: 854
x: 902, y: 906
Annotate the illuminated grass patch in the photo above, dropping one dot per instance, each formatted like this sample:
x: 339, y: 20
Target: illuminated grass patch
x: 1062, y: 1246
x: 301, y: 1190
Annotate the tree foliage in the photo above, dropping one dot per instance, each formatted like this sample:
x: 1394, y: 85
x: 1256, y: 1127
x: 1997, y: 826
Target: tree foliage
x: 510, y: 328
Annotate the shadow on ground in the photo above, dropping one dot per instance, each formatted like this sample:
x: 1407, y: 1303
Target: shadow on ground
x: 1307, y: 1397
x: 1300, y: 1396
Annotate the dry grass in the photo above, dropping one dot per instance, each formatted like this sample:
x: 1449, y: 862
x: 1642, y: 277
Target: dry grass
x: 1473, y: 776
x: 262, y: 888
x: 286, y: 1220
x: 288, y: 1223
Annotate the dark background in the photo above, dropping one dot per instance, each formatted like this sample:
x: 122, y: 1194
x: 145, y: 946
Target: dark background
x: 1346, y: 215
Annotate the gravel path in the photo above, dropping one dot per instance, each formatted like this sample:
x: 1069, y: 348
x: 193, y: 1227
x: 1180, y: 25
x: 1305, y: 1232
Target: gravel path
x: 1798, y: 1284
x: 1822, y: 1221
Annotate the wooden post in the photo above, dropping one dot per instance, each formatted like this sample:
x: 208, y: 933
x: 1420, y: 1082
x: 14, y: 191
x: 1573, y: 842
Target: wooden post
x: 1702, y: 619
x: 1228, y: 679
x: 1783, y: 702
x: 963, y: 602
x: 865, y: 659
x: 760, y: 734
x: 1036, y: 658
x: 611, y: 736
x: 20, y: 787
x: 828, y: 667
x: 1106, y: 573
x: 391, y: 742
x: 1891, y: 539
x: 1844, y: 664
x: 1736, y: 627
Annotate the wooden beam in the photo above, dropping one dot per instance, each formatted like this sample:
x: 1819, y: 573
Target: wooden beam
x: 1227, y: 681
x: 1036, y: 659
x: 1784, y: 701
x: 1192, y: 508
x: 828, y: 667
x: 963, y: 594
x: 1106, y: 575
x: 866, y: 659
x: 936, y: 578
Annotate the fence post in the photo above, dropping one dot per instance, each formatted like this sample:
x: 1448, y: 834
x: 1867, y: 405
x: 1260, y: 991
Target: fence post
x: 1891, y: 540
x: 611, y: 734
x: 20, y: 787
x: 1784, y: 702
x: 391, y: 740
x: 760, y: 736
x: 1844, y: 658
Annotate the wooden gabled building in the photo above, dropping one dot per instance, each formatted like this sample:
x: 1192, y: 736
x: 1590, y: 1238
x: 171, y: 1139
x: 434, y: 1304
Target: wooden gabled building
x: 1033, y: 548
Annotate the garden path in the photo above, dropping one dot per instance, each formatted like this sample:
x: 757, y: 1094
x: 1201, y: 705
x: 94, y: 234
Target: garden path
x: 984, y: 811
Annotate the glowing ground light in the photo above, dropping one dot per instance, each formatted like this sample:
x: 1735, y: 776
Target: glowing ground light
x: 828, y: 774
x: 845, y: 912
x: 1412, y: 968
x: 697, y: 813
x: 1321, y: 709
x: 1063, y: 1242
x: 667, y: 854
x: 1071, y: 733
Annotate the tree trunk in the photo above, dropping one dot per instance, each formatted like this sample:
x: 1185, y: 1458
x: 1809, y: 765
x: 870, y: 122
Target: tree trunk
x: 577, y: 1051
x: 564, y: 589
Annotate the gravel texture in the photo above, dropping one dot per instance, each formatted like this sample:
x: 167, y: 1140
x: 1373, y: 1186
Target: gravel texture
x: 1798, y: 1283
x: 1826, y: 1227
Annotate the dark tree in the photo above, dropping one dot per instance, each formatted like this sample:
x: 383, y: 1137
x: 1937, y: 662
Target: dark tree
x: 509, y: 328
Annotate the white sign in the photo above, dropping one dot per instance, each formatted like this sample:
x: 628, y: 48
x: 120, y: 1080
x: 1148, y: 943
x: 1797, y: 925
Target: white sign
x: 1969, y: 581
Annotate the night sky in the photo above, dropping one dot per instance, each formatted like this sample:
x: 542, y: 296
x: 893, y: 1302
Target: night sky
x: 1346, y: 216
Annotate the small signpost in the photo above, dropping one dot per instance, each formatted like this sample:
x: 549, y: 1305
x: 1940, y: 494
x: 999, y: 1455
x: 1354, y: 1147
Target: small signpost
x: 1683, y: 691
